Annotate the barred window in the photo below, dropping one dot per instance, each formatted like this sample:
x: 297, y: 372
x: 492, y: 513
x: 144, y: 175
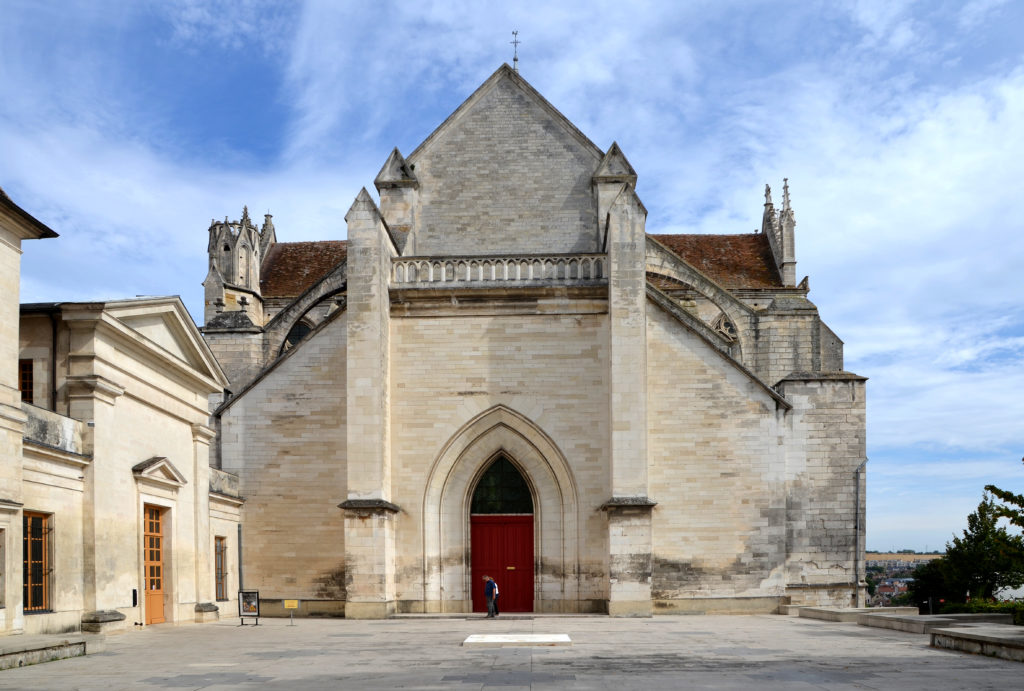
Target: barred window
x: 220, y: 560
x: 25, y: 380
x: 36, y: 570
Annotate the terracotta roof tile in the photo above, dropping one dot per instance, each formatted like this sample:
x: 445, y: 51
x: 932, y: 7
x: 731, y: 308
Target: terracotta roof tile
x: 733, y: 261
x: 290, y: 268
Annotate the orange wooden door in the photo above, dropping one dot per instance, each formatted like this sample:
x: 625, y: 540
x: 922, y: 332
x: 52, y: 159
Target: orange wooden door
x: 153, y: 550
x: 502, y: 548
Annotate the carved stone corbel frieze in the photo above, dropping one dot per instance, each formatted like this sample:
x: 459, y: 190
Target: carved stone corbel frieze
x: 369, y: 507
x: 9, y: 505
x: 203, y: 434
x: 628, y: 504
x: 93, y: 386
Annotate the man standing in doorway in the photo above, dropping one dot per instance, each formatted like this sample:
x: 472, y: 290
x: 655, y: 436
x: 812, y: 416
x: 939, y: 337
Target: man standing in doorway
x: 490, y: 593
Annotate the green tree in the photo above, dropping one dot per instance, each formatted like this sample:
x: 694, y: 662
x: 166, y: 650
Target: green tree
x: 986, y: 558
x: 1013, y: 508
x: 930, y: 581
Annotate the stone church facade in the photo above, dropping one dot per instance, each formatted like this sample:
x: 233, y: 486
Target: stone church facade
x: 501, y: 371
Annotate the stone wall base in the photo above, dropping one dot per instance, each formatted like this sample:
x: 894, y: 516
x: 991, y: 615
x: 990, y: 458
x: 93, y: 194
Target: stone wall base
x: 273, y: 608
x: 823, y: 594
x: 53, y: 622
x: 369, y: 610
x: 721, y: 605
x: 629, y: 608
x: 466, y: 607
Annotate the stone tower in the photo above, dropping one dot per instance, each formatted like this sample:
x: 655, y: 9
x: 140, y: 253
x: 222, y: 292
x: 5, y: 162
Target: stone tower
x: 236, y: 250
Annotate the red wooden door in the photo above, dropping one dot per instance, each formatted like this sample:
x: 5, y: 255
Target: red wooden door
x: 502, y: 548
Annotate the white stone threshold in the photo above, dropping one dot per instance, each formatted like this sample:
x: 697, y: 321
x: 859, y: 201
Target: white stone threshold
x: 505, y: 640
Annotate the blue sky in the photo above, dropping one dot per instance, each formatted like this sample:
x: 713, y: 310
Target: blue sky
x: 127, y: 126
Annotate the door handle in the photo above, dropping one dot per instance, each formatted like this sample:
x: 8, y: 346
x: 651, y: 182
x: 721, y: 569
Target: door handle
x: 510, y: 568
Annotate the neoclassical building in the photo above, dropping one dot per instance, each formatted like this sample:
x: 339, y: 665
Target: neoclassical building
x: 111, y: 517
x: 500, y: 371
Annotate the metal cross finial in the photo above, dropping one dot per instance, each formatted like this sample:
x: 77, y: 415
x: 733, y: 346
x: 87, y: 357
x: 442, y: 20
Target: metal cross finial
x: 515, y: 50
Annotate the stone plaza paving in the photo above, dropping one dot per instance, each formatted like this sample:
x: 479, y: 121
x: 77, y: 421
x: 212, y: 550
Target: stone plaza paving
x: 666, y: 652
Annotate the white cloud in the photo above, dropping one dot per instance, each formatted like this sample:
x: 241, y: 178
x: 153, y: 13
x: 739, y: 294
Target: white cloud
x: 262, y: 25
x: 904, y: 173
x: 975, y: 12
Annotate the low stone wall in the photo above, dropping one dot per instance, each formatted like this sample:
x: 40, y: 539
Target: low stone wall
x: 852, y: 613
x: 224, y: 483
x: 994, y: 640
x: 35, y: 651
x: 927, y: 623
x: 56, y: 431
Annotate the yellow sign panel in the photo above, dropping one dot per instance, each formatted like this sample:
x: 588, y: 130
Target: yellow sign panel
x: 291, y: 604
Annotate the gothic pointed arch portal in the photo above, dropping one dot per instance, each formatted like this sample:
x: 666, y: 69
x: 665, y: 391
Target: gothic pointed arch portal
x: 455, y: 475
x: 501, y: 536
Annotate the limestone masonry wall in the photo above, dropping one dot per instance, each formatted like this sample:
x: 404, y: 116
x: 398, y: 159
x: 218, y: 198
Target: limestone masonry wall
x: 827, y: 422
x: 788, y: 342
x: 286, y: 440
x: 717, y: 471
x: 505, y: 182
x: 551, y: 370
x: 240, y: 354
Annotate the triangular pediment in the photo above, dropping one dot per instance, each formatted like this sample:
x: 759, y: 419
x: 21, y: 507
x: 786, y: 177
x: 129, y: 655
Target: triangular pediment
x: 505, y: 173
x: 164, y: 322
x: 615, y: 167
x: 160, y: 471
x: 395, y: 173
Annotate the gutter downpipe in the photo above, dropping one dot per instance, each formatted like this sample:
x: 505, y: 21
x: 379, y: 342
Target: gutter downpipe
x: 53, y: 360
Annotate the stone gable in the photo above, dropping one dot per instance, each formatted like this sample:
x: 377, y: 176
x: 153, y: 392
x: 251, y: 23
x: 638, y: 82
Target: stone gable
x: 506, y: 174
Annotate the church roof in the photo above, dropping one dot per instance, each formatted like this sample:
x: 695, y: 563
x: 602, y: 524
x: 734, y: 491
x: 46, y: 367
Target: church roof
x: 292, y: 267
x: 732, y: 261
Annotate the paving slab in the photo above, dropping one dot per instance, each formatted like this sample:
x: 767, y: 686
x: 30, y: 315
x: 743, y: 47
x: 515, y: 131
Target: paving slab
x: 764, y: 652
x: 512, y: 640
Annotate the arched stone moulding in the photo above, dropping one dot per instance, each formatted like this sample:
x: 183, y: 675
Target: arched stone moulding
x: 446, y: 500
x: 662, y: 262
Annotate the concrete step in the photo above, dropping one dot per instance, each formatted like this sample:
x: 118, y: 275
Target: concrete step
x: 993, y: 640
x: 850, y: 614
x: 20, y: 651
x: 926, y: 623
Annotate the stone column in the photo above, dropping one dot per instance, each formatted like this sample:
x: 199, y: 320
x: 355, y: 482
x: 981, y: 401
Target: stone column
x: 12, y: 429
x: 106, y: 526
x: 15, y: 225
x: 629, y: 509
x: 205, y: 595
x: 369, y: 518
